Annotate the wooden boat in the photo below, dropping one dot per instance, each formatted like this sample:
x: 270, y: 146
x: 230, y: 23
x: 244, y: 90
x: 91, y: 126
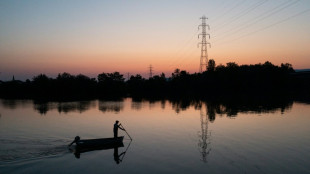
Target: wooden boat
x: 88, y: 145
x: 104, y: 143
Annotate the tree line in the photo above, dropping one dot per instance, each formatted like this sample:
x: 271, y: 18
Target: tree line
x: 218, y: 81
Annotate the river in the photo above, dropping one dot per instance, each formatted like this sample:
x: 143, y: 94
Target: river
x: 168, y: 137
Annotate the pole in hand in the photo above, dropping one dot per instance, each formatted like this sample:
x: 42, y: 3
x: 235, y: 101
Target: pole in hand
x: 126, y: 131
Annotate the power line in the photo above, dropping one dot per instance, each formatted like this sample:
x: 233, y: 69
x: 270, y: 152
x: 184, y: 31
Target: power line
x: 269, y: 26
x: 177, y: 59
x: 186, y: 50
x: 262, y: 17
x: 182, y: 49
x: 231, y: 9
x: 223, y: 5
x: 189, y: 52
x: 190, y: 55
x: 241, y: 14
x: 186, y: 47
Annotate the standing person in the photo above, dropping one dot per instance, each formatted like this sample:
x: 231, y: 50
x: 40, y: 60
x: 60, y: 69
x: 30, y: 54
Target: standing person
x: 115, y: 128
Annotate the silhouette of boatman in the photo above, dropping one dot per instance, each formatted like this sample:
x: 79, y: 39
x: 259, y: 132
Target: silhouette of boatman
x: 115, y: 128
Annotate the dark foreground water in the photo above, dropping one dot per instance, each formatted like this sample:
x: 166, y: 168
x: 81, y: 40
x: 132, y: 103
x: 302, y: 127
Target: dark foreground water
x: 168, y: 137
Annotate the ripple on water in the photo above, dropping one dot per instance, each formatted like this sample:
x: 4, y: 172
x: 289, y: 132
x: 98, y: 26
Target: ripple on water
x: 25, y: 149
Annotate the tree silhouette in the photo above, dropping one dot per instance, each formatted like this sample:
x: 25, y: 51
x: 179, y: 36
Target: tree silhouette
x: 111, y: 85
x: 230, y: 81
x: 211, y: 65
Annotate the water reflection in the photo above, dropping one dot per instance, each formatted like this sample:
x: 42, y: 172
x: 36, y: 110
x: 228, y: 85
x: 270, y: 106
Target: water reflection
x: 117, y: 157
x: 162, y: 104
x: 204, y: 136
x: 230, y: 108
x: 201, y: 132
x: 63, y: 107
x: 78, y: 150
x: 209, y: 110
x: 136, y: 105
x: 80, y: 106
x: 181, y: 105
x: 111, y: 106
x: 43, y: 107
x: 13, y: 104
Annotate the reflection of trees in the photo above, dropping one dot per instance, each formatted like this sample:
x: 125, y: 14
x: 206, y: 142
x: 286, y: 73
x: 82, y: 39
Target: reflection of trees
x: 163, y: 104
x: 80, y: 106
x: 232, y: 107
x: 180, y: 105
x: 136, y: 105
x: 211, y: 110
x: 13, y: 104
x: 43, y: 107
x: 111, y: 106
x: 65, y: 107
x: 152, y: 104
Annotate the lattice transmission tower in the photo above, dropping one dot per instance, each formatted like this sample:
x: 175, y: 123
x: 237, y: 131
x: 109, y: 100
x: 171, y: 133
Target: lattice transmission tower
x: 151, y: 71
x: 204, y: 43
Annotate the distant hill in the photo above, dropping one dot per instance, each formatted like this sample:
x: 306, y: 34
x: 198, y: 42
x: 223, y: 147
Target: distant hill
x: 302, y: 70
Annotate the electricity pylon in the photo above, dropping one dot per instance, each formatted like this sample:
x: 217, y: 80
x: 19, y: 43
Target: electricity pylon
x: 204, y: 43
x: 151, y: 71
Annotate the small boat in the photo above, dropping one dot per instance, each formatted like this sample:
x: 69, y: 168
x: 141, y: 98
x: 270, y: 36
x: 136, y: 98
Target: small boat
x: 101, y: 142
x: 95, y: 144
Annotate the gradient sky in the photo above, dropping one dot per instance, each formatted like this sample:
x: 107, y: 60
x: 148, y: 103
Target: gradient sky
x: 91, y: 37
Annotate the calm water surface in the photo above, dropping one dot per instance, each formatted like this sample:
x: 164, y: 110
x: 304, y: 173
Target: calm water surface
x: 168, y: 137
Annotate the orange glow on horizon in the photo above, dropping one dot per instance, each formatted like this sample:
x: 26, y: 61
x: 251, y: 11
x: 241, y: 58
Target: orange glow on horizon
x: 102, y: 39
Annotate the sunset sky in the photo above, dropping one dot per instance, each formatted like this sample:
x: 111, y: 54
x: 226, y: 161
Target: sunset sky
x: 91, y: 37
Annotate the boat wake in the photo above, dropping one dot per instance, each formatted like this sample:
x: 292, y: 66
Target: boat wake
x: 21, y: 150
